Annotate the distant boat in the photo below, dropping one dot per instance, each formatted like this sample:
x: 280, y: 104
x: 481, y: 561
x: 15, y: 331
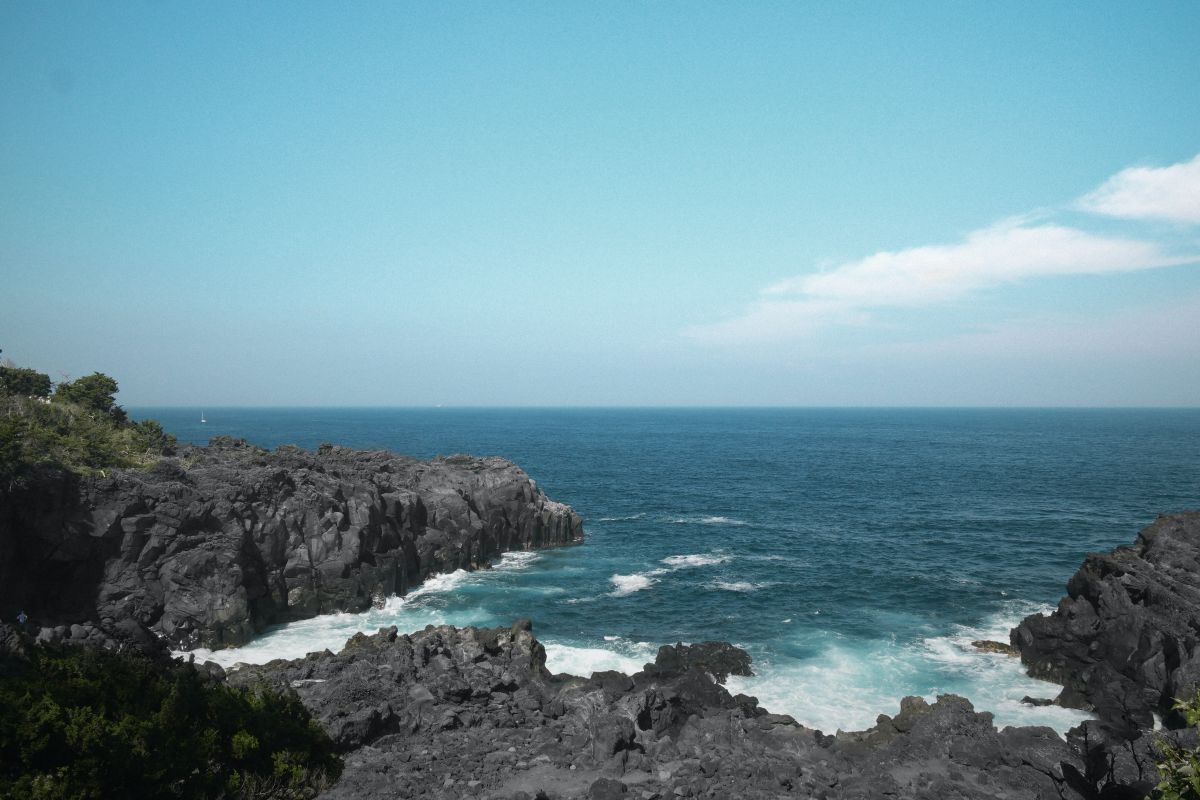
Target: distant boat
x: 202, y: 419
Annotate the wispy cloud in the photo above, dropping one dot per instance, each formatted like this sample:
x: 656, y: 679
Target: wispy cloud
x: 1170, y: 193
x: 1014, y: 250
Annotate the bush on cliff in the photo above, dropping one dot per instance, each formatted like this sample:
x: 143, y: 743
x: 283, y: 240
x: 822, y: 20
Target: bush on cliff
x: 82, y: 430
x: 84, y: 723
x: 1179, y: 767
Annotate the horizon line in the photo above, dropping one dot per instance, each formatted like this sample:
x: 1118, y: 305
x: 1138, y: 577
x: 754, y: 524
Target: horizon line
x: 665, y: 407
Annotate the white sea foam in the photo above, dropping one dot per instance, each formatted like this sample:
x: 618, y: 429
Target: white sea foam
x: 618, y: 654
x: 695, y: 560
x: 628, y: 584
x: 842, y: 688
x: 850, y: 682
x: 434, y: 584
x: 516, y: 560
x: 420, y: 607
x: 629, y: 518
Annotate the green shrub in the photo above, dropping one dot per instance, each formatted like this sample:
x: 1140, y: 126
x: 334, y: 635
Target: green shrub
x: 1179, y: 767
x: 83, y: 723
x: 83, y: 430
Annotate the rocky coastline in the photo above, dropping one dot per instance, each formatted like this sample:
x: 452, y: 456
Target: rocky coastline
x: 218, y: 542
x: 1125, y: 640
x: 450, y: 713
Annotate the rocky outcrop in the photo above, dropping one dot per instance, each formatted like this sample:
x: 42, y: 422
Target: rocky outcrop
x: 218, y: 542
x: 1124, y: 640
x: 450, y: 713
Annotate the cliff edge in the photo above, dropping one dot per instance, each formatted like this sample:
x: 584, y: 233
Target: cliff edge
x: 218, y: 542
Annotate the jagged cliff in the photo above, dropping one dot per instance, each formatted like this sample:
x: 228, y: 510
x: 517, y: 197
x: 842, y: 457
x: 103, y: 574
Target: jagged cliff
x: 218, y: 542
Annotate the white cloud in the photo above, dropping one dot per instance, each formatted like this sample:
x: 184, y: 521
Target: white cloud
x: 1171, y: 193
x: 919, y: 276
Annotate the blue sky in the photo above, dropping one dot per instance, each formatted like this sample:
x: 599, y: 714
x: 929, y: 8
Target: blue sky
x: 604, y: 204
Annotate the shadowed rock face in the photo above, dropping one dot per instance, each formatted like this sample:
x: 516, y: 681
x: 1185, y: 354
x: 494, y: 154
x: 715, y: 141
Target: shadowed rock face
x: 450, y: 713
x: 213, y: 545
x: 1124, y: 640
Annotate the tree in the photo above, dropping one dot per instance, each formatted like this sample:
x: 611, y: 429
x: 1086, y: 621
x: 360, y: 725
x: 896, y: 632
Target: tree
x: 94, y: 392
x: 25, y: 382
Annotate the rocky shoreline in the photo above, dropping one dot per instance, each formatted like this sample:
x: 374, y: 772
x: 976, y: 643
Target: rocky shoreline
x: 218, y: 542
x: 449, y: 713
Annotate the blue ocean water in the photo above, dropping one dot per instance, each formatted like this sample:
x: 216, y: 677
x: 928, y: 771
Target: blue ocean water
x: 855, y: 553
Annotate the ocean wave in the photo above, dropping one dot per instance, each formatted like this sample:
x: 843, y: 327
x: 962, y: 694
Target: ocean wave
x: 434, y: 584
x: 628, y: 584
x: 629, y: 518
x: 850, y: 681
x: 998, y: 682
x: 738, y: 586
x: 695, y: 560
x: 707, y: 520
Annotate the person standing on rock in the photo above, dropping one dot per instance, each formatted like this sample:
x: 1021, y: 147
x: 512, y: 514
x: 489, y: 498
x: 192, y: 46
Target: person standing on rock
x: 21, y: 618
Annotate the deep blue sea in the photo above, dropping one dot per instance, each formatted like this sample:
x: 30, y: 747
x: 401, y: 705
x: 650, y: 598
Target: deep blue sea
x: 855, y: 553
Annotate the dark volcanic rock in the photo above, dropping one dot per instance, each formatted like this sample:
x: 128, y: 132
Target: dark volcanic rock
x: 720, y: 659
x: 1124, y: 640
x: 219, y: 542
x: 449, y: 713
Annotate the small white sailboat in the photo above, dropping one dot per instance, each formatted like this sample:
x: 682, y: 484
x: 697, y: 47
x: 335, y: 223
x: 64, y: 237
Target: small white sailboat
x: 202, y: 419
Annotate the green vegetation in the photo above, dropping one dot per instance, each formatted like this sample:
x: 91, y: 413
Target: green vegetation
x: 79, y: 722
x: 93, y: 392
x: 79, y: 427
x: 18, y: 380
x: 1179, y: 767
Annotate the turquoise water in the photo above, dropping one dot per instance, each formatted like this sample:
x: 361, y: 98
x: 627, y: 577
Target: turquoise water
x: 854, y: 553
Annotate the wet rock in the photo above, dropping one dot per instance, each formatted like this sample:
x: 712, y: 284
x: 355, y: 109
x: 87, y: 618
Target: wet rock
x: 1000, y: 648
